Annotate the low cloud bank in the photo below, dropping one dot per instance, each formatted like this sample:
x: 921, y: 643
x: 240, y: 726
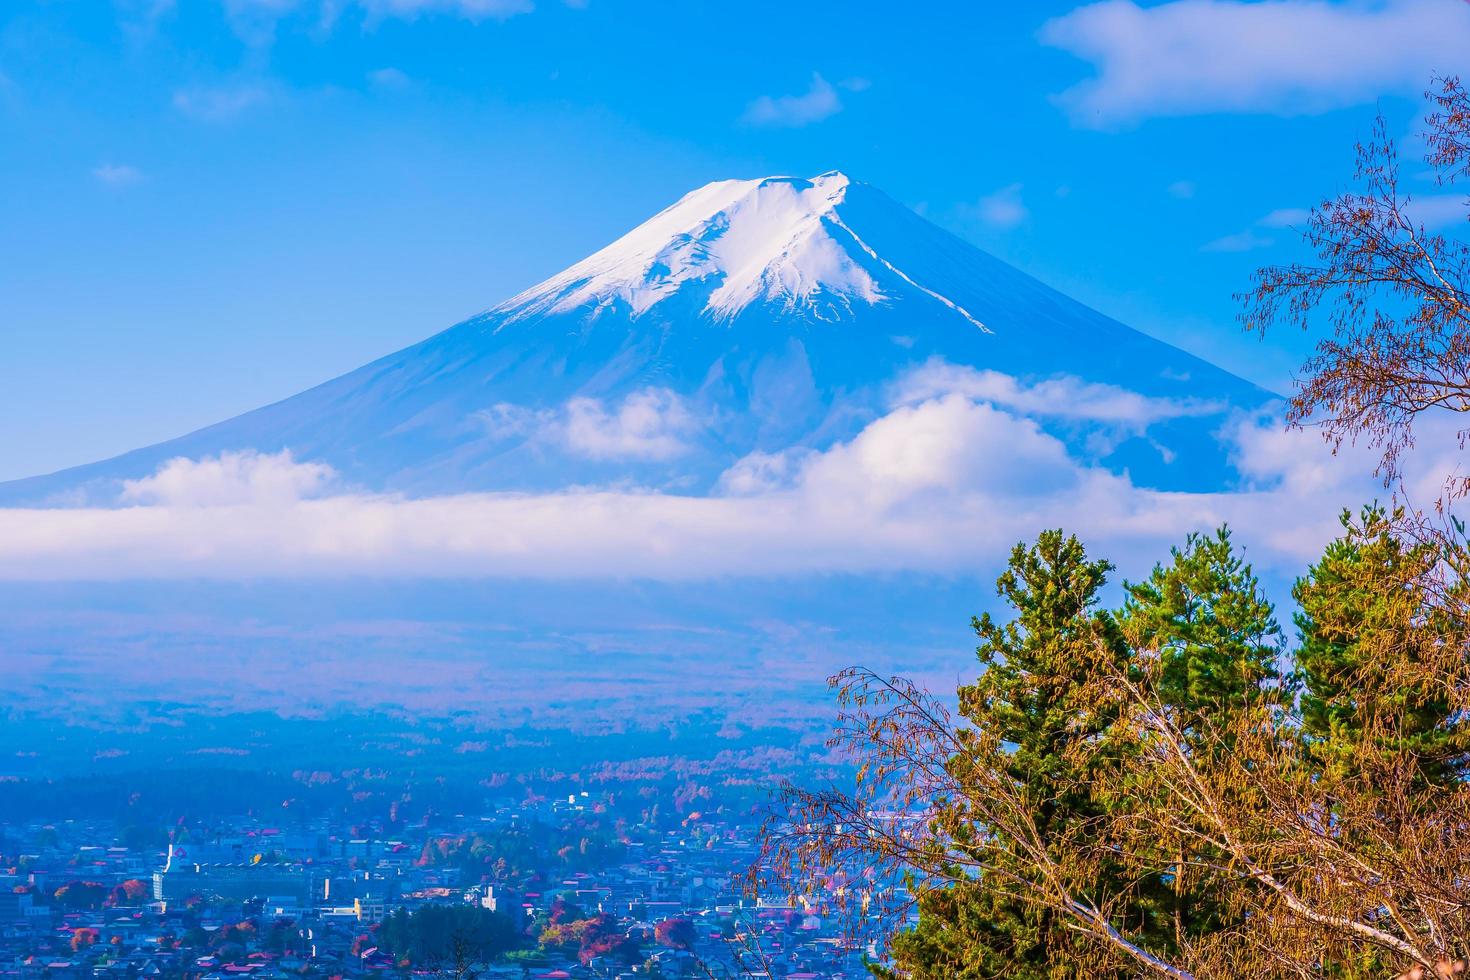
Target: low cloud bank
x: 958, y: 468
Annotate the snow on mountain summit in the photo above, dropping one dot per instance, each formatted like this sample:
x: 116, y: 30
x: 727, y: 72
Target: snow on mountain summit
x: 779, y: 240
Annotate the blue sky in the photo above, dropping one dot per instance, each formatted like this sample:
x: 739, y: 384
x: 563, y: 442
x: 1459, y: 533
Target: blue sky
x: 211, y: 204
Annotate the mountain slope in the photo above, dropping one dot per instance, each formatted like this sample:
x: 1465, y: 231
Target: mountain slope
x: 751, y: 316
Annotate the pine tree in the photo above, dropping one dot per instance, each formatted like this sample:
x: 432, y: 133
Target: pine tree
x: 1213, y: 628
x: 1207, y: 620
x: 1029, y: 693
x: 1370, y: 633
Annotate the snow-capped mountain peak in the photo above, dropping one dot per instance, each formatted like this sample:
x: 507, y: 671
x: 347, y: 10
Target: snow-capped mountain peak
x: 752, y: 316
x: 731, y: 244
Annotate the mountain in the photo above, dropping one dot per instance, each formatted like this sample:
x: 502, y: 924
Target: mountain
x: 751, y: 316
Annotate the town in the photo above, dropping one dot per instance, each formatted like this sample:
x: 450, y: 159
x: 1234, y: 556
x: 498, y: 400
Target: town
x: 585, y: 884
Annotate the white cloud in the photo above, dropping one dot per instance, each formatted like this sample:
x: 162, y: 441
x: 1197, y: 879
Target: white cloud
x: 1268, y: 456
x: 1182, y: 189
x: 1064, y: 397
x: 117, y: 174
x: 939, y: 483
x: 245, y: 477
x: 760, y: 472
x: 649, y: 424
x: 939, y: 447
x: 1439, y: 211
x: 1002, y: 209
x: 817, y: 103
x: 1276, y: 56
x: 218, y: 104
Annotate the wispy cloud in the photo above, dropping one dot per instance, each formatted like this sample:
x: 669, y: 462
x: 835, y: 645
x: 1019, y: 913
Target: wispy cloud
x: 648, y: 424
x: 473, y: 10
x: 1434, y: 211
x: 139, y: 19
x: 1251, y: 239
x: 1003, y: 208
x: 1439, y: 211
x: 116, y: 174
x: 1061, y: 397
x: 1285, y: 218
x: 815, y: 104
x: 257, y: 22
x: 218, y: 103
x: 1241, y: 241
x: 1274, y: 56
x: 274, y: 7
x: 389, y: 78
x: 326, y: 11
x: 1182, y: 189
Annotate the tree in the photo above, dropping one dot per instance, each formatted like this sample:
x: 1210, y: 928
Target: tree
x: 1393, y: 297
x: 1216, y: 633
x: 1011, y: 790
x: 676, y: 933
x: 77, y: 895
x: 1217, y: 643
x: 143, y: 838
x: 439, y: 936
x: 1381, y: 634
x: 601, y: 936
x: 588, y: 938
x: 1026, y: 696
x: 129, y: 891
x: 1349, y: 864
